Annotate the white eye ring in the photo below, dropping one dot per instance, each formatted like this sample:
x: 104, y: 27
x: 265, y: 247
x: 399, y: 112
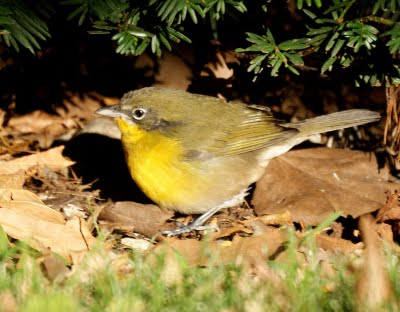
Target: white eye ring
x: 139, y: 113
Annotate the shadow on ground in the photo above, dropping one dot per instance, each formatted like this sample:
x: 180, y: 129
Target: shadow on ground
x: 100, y: 161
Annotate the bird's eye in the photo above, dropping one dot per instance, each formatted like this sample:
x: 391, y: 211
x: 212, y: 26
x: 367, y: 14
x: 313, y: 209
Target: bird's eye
x: 139, y: 113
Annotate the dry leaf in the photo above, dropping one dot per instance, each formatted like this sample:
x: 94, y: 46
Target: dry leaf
x: 193, y: 250
x: 337, y: 244
x: 41, y: 126
x: 146, y: 219
x: 80, y: 107
x: 273, y: 219
x: 235, y: 228
x: 45, y: 128
x: 52, y: 158
x: 37, y: 122
x: 136, y: 243
x: 243, y: 250
x: 391, y: 210
x: 14, y: 180
x: 173, y: 72
x: 76, y: 238
x: 385, y: 231
x: 56, y: 269
x: 313, y: 183
x: 255, y: 249
x: 27, y: 203
x: 88, y: 270
x: 70, y: 240
x: 219, y: 68
x: 373, y: 287
x: 23, y: 216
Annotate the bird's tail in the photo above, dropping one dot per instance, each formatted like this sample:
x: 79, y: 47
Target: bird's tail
x: 335, y: 121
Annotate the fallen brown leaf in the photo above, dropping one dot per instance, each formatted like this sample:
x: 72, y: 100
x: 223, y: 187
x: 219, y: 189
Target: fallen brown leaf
x: 37, y: 122
x: 14, y: 180
x: 81, y: 107
x: 71, y: 240
x: 337, y: 244
x: 255, y: 249
x: 313, y: 183
x: 219, y: 68
x: 27, y: 203
x: 242, y: 250
x: 147, y: 220
x: 76, y: 240
x: 192, y: 250
x: 136, y: 243
x: 273, y: 219
x: 391, y: 210
x: 173, y: 71
x: 24, y: 216
x: 120, y: 263
x: 55, y: 268
x: 235, y: 228
x: 385, y: 231
x: 41, y: 127
x: 52, y: 158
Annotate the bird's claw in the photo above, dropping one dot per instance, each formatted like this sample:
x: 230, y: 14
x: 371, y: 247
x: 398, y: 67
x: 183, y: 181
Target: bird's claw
x: 182, y: 228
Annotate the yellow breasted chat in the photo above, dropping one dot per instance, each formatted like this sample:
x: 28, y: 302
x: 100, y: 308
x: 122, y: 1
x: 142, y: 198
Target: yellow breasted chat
x: 197, y: 154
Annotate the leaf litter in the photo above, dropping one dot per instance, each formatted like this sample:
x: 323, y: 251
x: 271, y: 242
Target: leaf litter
x: 313, y: 183
x: 24, y: 216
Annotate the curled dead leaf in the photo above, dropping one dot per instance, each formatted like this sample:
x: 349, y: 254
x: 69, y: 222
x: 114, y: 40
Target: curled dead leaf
x: 219, y: 68
x: 173, y: 72
x: 24, y: 216
x: 243, y: 250
x: 385, y: 231
x: 235, y: 228
x: 255, y: 249
x: 14, y: 180
x: 313, y: 183
x: 52, y: 158
x: 136, y: 243
x: 391, y: 209
x: 55, y: 267
x: 147, y: 220
x: 26, y: 203
x: 337, y: 244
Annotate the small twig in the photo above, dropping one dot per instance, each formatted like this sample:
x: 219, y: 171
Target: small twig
x: 377, y: 19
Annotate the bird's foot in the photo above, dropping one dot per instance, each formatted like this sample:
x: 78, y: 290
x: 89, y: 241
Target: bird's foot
x: 183, y: 228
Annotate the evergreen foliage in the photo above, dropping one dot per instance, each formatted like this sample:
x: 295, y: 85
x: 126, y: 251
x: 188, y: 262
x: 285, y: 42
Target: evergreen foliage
x: 24, y: 23
x: 342, y: 33
x: 142, y: 24
x: 337, y: 33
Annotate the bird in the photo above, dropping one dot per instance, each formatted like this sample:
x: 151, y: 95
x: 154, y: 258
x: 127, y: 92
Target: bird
x: 197, y: 154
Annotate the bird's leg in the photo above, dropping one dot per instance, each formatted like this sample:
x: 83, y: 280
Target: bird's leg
x: 198, y: 224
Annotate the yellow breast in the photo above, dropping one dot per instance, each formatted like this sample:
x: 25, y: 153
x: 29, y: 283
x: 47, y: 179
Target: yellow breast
x: 156, y: 164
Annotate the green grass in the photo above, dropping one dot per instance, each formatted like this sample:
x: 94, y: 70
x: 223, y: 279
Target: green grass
x: 132, y: 282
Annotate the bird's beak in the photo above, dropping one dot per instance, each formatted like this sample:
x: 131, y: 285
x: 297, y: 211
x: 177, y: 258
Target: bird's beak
x: 111, y: 111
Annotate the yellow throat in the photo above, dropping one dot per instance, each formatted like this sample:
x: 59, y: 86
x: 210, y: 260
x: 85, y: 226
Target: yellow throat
x: 156, y: 163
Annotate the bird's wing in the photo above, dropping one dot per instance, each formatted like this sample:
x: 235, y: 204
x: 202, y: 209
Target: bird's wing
x: 253, y: 131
